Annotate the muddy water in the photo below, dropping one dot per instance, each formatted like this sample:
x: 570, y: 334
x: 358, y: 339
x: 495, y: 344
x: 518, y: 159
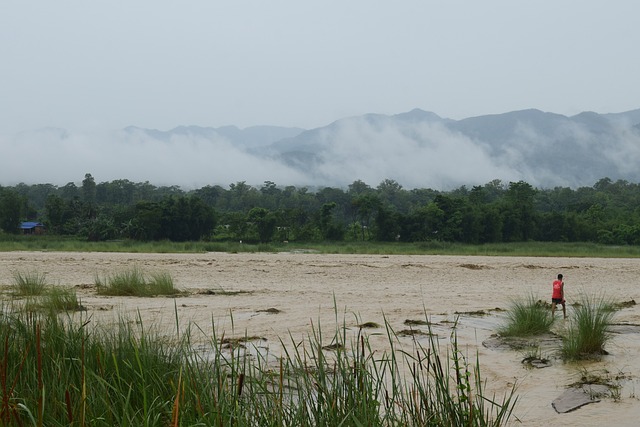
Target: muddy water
x: 233, y: 292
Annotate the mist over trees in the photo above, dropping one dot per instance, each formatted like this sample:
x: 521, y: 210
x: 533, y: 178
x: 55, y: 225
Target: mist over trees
x: 608, y: 212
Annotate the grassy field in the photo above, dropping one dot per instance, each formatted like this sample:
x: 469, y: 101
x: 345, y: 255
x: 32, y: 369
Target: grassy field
x: 59, y: 244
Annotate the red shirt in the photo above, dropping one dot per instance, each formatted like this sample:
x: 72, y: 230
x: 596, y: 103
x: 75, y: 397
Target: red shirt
x: 557, y: 289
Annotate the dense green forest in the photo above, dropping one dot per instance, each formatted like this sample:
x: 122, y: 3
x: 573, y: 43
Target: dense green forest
x: 608, y: 212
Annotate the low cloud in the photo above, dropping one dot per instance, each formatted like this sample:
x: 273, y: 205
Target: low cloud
x: 57, y: 156
x: 417, y: 156
x: 422, y: 156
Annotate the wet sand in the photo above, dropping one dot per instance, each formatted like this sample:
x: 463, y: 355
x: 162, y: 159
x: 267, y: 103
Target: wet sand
x: 235, y: 292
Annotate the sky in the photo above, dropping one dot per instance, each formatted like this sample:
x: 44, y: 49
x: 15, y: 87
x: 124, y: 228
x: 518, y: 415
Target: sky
x: 104, y: 65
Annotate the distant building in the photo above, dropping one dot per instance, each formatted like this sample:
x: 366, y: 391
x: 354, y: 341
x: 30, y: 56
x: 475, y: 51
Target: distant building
x: 29, y: 227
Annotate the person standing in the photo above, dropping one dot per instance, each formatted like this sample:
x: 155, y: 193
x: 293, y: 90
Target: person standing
x: 557, y: 297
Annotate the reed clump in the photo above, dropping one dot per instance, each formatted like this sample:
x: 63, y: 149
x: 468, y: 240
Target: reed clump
x: 527, y: 318
x: 42, y: 296
x: 29, y: 284
x: 135, y: 282
x: 64, y: 371
x: 61, y: 299
x: 589, y: 330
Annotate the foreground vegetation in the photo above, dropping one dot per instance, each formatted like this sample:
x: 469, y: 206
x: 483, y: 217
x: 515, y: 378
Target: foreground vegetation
x: 62, y: 371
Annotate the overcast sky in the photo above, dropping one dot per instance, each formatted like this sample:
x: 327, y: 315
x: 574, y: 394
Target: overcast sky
x: 93, y: 67
x: 158, y: 64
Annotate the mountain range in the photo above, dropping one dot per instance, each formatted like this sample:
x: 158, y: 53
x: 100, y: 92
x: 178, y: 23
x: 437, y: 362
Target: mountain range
x: 420, y: 149
x: 417, y: 149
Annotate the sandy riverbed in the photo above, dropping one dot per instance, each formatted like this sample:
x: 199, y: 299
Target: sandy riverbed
x: 304, y: 286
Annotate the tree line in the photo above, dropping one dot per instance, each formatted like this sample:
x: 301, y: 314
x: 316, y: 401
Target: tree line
x: 608, y: 212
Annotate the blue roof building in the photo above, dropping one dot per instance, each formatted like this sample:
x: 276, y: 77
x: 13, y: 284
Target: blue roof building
x: 30, y: 227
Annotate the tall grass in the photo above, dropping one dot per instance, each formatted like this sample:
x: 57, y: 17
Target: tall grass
x: 61, y: 299
x: 526, y: 318
x: 134, y: 282
x: 30, y: 283
x: 557, y: 249
x: 42, y: 296
x: 58, y: 371
x: 161, y: 283
x: 589, y: 330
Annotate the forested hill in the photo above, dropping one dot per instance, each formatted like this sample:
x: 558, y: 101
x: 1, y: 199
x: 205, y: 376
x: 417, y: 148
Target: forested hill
x: 420, y: 149
x: 605, y: 212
